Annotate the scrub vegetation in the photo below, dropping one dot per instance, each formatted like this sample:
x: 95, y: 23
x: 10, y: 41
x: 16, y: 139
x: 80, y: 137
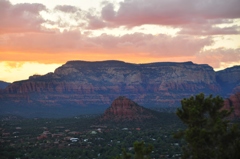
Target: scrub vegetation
x: 199, y: 129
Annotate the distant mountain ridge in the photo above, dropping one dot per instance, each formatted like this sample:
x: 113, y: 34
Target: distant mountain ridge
x: 3, y: 84
x: 229, y: 79
x: 83, y: 84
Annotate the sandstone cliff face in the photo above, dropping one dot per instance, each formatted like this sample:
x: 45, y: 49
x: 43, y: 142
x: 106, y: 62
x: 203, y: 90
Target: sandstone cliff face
x: 233, y: 102
x: 81, y: 83
x: 124, y: 109
x: 98, y: 83
x: 3, y: 84
x: 236, y: 89
x: 130, y: 74
x: 48, y: 87
x: 230, y: 82
x: 229, y: 79
x: 229, y: 75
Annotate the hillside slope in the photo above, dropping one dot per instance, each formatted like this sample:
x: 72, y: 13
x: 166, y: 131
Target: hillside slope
x: 3, y: 84
x: 124, y: 109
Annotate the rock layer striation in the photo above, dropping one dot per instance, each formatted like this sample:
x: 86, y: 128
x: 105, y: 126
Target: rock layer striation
x: 84, y: 84
x: 233, y: 102
x: 124, y: 109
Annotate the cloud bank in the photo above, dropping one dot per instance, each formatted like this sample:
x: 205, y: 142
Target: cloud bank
x: 33, y: 32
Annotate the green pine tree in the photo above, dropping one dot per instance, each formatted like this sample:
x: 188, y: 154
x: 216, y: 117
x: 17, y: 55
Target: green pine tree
x: 209, y: 134
x: 141, y: 151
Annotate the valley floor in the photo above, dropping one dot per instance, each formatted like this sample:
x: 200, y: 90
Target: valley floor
x: 82, y: 137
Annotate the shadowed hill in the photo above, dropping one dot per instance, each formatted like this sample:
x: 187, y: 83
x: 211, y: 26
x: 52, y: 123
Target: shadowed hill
x: 124, y: 109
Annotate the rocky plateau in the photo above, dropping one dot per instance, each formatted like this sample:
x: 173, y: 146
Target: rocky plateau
x: 82, y: 84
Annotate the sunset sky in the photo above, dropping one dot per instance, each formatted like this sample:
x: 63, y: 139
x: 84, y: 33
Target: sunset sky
x: 37, y: 36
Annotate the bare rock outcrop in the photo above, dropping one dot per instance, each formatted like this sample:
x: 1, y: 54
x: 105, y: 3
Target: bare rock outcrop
x: 3, y: 84
x: 124, y: 109
x: 233, y: 102
x: 229, y: 79
x: 84, y: 84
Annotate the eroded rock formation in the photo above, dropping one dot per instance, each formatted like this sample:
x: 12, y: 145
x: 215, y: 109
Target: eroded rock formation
x: 233, y: 102
x: 124, y: 109
x: 83, y: 84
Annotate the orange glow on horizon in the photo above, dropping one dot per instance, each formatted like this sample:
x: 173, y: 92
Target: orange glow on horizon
x: 19, y: 66
x: 46, y: 58
x: 37, y: 37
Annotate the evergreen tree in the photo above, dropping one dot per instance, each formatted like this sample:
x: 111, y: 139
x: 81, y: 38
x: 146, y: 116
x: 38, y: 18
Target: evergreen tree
x: 141, y: 151
x: 208, y: 133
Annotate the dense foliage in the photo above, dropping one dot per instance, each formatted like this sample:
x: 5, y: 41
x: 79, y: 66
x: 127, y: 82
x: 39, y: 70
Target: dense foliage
x: 208, y: 134
x: 50, y: 138
x: 141, y: 151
